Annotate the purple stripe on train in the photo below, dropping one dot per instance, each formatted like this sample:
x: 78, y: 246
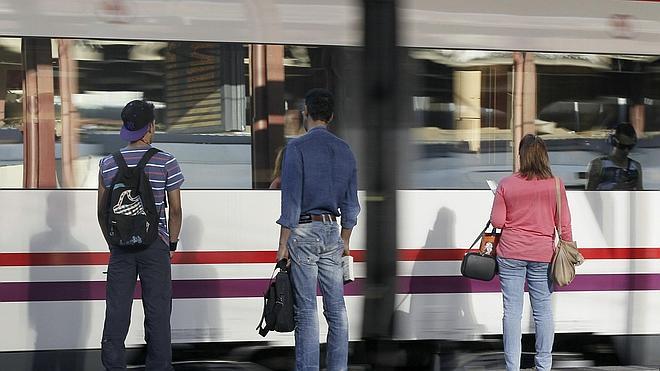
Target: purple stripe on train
x: 247, y: 288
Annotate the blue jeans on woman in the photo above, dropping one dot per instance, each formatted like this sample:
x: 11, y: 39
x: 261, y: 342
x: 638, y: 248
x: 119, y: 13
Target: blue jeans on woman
x: 512, y: 274
x: 316, y: 249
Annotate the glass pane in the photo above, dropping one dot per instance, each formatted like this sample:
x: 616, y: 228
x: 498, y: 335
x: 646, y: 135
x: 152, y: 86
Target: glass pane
x: 11, y: 113
x: 200, y: 92
x: 333, y: 68
x: 462, y: 118
x: 308, y: 67
x: 582, y: 99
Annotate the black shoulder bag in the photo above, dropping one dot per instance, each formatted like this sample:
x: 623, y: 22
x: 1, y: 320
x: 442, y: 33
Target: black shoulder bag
x: 278, y: 303
x: 482, y: 265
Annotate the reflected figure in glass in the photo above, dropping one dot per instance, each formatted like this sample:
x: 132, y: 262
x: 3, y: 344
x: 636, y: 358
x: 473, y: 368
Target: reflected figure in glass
x: 276, y: 178
x: 617, y: 171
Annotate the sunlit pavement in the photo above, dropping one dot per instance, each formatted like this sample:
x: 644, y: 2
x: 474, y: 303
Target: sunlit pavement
x: 224, y: 366
x: 242, y: 366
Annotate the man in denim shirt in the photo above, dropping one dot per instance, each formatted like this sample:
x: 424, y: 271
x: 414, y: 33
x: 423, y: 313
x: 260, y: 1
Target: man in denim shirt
x: 319, y: 179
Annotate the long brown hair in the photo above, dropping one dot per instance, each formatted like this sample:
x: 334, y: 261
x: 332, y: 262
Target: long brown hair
x: 534, y: 160
x: 277, y: 170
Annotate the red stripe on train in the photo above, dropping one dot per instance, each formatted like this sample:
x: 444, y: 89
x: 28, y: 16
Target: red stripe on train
x: 254, y: 257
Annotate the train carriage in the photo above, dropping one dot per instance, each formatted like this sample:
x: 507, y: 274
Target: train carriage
x: 52, y: 255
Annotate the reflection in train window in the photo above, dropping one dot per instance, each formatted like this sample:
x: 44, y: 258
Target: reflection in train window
x: 11, y: 113
x: 471, y: 107
x: 226, y: 109
x: 199, y: 91
x: 462, y: 106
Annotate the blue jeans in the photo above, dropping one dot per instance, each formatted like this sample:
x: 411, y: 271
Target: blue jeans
x: 512, y: 274
x: 316, y: 249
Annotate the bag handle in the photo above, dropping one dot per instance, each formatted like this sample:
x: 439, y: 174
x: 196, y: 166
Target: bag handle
x: 262, y: 331
x: 479, y: 236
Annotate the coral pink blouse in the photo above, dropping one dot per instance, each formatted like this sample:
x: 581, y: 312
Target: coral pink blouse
x: 526, y: 212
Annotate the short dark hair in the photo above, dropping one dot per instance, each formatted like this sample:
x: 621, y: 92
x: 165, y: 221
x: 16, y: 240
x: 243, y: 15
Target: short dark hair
x: 625, y: 134
x: 320, y: 104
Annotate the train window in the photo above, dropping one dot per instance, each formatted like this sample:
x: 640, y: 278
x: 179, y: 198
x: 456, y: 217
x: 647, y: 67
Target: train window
x: 11, y: 113
x: 469, y: 108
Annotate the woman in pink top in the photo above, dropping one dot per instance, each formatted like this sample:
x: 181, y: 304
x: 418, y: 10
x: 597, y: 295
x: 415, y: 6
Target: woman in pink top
x: 525, y: 210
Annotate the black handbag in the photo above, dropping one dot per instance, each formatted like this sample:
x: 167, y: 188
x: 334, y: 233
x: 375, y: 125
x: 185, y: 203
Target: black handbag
x: 278, y: 303
x: 481, y: 265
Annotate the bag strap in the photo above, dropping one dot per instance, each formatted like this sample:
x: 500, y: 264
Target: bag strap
x: 479, y: 236
x: 121, y: 163
x: 146, y: 157
x: 260, y: 327
x: 558, y: 198
x: 262, y: 331
x: 143, y: 163
x: 272, y: 317
x: 119, y: 160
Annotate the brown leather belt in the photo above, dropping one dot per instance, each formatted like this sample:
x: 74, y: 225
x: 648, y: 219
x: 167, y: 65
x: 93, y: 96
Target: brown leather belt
x: 317, y: 218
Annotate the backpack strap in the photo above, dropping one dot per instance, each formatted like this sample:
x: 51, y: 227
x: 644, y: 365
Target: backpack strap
x: 146, y: 157
x: 121, y: 163
x: 119, y: 160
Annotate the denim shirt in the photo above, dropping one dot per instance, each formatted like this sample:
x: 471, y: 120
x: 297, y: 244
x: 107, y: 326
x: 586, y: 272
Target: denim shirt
x: 319, y: 176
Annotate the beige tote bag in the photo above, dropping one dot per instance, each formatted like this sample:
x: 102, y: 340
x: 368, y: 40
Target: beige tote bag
x: 567, y: 256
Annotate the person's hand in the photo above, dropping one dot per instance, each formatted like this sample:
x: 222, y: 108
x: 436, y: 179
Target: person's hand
x: 171, y: 254
x: 347, y: 250
x: 283, y: 253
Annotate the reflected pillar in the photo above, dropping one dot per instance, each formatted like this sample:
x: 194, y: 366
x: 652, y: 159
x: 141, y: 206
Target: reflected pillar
x: 38, y: 114
x: 524, y: 100
x: 68, y: 86
x: 516, y: 126
x: 267, y: 84
x: 467, y: 100
x: 638, y: 118
x: 529, y: 95
x: 3, y: 94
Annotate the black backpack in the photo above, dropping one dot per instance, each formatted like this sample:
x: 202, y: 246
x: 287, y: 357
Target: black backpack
x: 278, y: 303
x: 131, y: 215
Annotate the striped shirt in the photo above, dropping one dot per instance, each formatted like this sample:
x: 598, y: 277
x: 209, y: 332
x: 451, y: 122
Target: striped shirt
x: 163, y: 172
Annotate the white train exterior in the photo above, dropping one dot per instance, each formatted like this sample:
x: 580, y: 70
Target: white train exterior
x: 53, y: 262
x: 53, y: 258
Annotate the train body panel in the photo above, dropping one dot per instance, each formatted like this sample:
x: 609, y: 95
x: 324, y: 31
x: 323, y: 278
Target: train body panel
x: 608, y: 26
x: 53, y: 258
x: 52, y: 277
